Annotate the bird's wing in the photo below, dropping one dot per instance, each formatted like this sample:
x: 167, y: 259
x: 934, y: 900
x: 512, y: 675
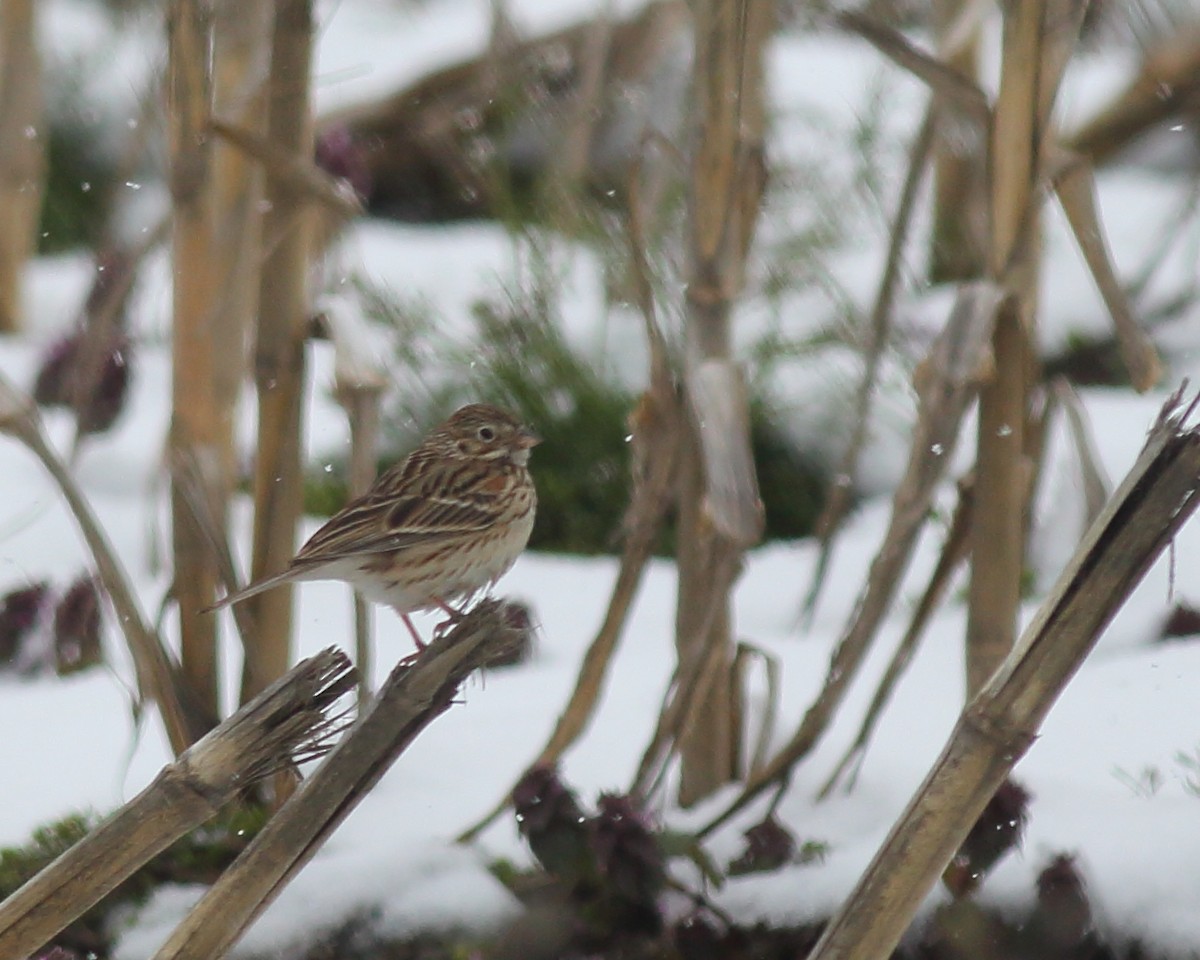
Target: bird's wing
x: 457, y: 504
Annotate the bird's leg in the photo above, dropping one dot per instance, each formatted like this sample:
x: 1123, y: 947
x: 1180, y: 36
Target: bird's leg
x: 453, y: 616
x: 412, y: 630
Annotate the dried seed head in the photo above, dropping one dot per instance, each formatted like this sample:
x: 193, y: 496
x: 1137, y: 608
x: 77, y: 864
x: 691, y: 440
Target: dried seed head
x: 340, y: 155
x: 769, y: 846
x: 77, y: 627
x: 60, y: 380
x: 550, y: 819
x: 998, y: 829
x: 630, y: 861
x: 19, y: 613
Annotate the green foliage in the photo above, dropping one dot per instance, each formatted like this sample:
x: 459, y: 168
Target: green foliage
x: 1189, y: 764
x: 1145, y: 783
x: 198, y: 857
x: 507, y: 872
x: 79, y: 176
x: 521, y: 359
x: 870, y: 146
x: 204, y: 853
x: 792, y: 486
x: 677, y: 844
x: 1150, y: 780
x: 18, y: 864
x: 325, y: 492
x: 814, y: 851
x: 582, y: 465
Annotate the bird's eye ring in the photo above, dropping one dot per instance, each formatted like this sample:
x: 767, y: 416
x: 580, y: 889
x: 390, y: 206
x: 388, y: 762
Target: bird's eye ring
x: 487, y: 434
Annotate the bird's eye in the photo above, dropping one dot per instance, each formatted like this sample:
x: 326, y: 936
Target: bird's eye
x: 487, y: 434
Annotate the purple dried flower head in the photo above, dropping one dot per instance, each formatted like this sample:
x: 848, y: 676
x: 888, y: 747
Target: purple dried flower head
x: 696, y: 937
x: 627, y: 851
x: 1063, y: 915
x: 99, y: 411
x: 50, y: 389
x: 1060, y: 877
x: 540, y: 796
x: 88, y: 369
x: 339, y: 154
x: 998, y: 829
x: 550, y: 819
x: 1183, y: 621
x: 77, y: 626
x: 60, y: 381
x: 19, y: 613
x: 769, y: 846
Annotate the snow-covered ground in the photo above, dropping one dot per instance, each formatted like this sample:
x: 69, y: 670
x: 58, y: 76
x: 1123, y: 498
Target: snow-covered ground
x: 1131, y: 708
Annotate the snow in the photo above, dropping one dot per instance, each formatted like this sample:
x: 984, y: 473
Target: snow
x: 1131, y: 707
x: 368, y: 49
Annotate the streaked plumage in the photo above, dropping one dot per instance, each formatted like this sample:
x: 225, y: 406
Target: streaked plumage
x: 447, y: 521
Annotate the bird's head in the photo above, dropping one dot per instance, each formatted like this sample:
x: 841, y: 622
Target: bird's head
x: 480, y: 431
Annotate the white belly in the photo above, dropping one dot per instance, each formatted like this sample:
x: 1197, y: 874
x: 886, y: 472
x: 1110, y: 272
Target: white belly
x: 460, y: 575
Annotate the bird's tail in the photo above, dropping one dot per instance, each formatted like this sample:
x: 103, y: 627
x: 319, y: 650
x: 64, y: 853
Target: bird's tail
x: 252, y: 590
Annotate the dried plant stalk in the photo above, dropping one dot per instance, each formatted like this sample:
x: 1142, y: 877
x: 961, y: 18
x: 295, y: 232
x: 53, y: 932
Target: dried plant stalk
x: 946, y: 381
x: 655, y: 427
x: 196, y: 285
x: 837, y: 496
x: 1165, y: 87
x: 288, y: 722
x: 1157, y: 497
x: 695, y: 675
x: 954, y: 90
x: 1076, y: 190
x: 956, y: 241
x: 954, y: 552
x: 362, y: 409
x: 294, y: 174
x: 22, y: 153
x: 359, y: 381
x: 241, y: 55
x: 1092, y: 475
x: 418, y: 691
x: 1037, y: 41
x: 156, y: 673
x: 569, y: 167
x: 773, y: 674
x: 720, y: 512
x: 279, y: 354
x: 1067, y: 166
x: 998, y: 536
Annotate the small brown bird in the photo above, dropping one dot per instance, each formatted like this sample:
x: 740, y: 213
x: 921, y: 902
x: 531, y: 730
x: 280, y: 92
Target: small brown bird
x: 446, y: 522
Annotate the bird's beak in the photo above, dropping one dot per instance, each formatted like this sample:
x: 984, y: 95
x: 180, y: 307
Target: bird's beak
x: 526, y: 438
